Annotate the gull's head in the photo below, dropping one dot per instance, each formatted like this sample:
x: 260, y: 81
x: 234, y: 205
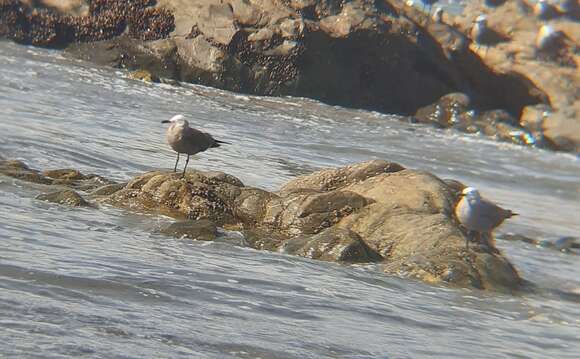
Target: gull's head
x: 547, y: 31
x: 481, y: 20
x: 547, y: 37
x: 438, y: 15
x: 177, y: 120
x: 470, y: 193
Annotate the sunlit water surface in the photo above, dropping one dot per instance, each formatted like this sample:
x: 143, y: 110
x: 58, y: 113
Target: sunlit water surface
x: 101, y: 283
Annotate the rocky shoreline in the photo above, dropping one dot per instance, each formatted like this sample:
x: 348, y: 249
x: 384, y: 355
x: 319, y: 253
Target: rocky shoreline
x: 370, y: 212
x: 383, y: 56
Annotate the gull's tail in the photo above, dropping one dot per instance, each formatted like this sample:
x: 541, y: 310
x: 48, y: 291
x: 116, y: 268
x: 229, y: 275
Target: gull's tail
x: 512, y: 214
x: 218, y: 143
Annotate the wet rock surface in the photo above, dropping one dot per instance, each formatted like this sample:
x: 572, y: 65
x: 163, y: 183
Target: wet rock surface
x: 382, y: 56
x: 374, y: 211
x: 64, y: 197
x: 333, y: 245
x: 202, y: 230
x: 19, y: 170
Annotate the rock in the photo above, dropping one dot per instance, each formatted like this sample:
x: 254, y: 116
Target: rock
x: 143, y: 75
x: 566, y: 243
x: 341, y: 25
x: 90, y: 183
x: 64, y: 174
x: 533, y: 117
x: 202, y: 230
x: 445, y: 112
x: 330, y: 179
x: 495, y: 269
x: 377, y: 56
x: 71, y: 7
x: 374, y: 211
x: 285, y: 49
x: 200, y: 54
x: 108, y: 189
x: 309, y: 213
x: 563, y: 244
x: 410, y: 225
x: 497, y: 116
x: 65, y: 197
x: 198, y: 196
x: 75, y: 179
x: 261, y: 35
x: 63, y: 177
x: 334, y: 245
x: 502, y: 126
x: 218, y: 23
x: 261, y: 239
x: 292, y: 28
x: 454, y: 111
x: 245, y: 13
x: 453, y: 42
x: 553, y: 71
x: 563, y: 129
x: 250, y: 205
x: 43, y: 26
x: 19, y: 170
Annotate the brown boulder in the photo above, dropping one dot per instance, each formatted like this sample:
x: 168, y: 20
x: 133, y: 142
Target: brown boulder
x: 197, y: 196
x: 409, y: 222
x: 374, y: 211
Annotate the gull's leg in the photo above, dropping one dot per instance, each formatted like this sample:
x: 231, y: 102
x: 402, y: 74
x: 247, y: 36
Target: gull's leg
x: 184, y: 168
x: 467, y: 238
x: 175, y: 168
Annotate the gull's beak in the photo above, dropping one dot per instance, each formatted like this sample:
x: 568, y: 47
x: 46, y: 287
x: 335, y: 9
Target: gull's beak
x: 165, y: 121
x: 461, y: 195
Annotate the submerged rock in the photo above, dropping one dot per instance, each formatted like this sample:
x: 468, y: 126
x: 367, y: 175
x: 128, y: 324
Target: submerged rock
x: 19, y: 170
x: 563, y: 244
x: 203, y: 230
x: 375, y: 211
x: 65, y: 197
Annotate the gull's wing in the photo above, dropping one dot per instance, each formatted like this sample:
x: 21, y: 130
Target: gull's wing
x: 494, y: 214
